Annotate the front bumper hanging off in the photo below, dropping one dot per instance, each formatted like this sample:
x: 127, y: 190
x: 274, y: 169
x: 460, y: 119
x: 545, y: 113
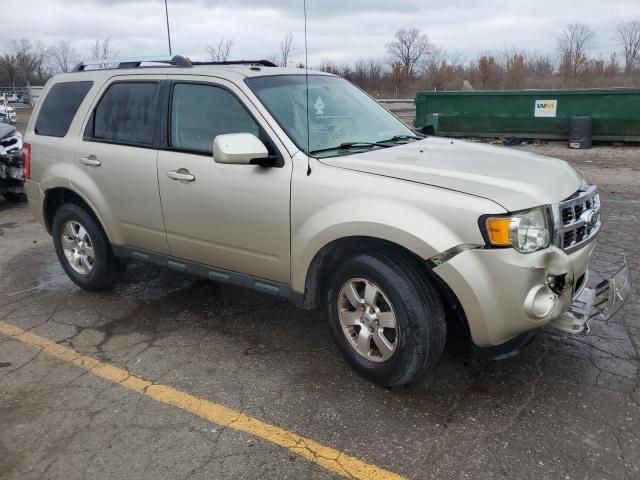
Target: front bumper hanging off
x: 603, y: 301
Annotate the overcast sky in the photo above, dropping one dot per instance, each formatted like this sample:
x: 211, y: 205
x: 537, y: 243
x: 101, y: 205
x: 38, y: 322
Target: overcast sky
x: 338, y: 29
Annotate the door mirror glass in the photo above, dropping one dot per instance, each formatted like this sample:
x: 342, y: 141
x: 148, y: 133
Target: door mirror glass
x: 239, y: 149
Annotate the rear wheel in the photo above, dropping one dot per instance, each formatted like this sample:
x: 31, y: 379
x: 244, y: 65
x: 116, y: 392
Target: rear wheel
x: 83, y: 249
x: 386, y: 318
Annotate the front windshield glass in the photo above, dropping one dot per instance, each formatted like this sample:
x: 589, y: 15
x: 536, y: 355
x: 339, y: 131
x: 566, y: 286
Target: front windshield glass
x: 340, y: 114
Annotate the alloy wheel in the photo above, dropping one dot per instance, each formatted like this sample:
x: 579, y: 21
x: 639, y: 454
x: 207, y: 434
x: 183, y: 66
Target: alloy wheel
x: 78, y: 247
x: 368, y: 319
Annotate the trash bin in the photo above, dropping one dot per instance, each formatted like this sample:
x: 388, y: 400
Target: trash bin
x: 580, y: 132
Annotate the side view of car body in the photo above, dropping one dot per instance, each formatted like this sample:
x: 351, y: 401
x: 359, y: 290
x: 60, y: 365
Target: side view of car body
x: 299, y: 184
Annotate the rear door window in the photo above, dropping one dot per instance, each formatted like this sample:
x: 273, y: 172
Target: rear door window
x: 199, y: 113
x: 59, y: 107
x: 128, y: 113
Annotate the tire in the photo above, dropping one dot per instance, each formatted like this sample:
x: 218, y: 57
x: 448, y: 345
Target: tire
x: 12, y: 197
x: 404, y: 293
x: 104, y: 269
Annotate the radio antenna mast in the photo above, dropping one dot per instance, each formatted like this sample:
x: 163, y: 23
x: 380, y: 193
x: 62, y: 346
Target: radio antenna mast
x: 306, y: 80
x: 166, y: 13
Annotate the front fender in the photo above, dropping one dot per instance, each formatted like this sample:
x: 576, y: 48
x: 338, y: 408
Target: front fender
x: 393, y: 221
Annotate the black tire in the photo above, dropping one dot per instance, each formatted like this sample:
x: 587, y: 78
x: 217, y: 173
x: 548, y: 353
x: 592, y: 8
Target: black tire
x: 13, y: 197
x: 418, y: 310
x: 106, y: 267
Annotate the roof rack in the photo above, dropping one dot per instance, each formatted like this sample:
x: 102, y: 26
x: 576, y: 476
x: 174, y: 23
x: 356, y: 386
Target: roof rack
x: 175, y: 61
x: 111, y: 63
x: 261, y: 63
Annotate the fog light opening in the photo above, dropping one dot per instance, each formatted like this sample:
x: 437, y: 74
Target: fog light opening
x: 540, y: 302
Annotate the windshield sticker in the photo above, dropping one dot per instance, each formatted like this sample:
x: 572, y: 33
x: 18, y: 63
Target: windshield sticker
x: 319, y: 106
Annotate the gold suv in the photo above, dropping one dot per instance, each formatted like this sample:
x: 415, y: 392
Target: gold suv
x: 297, y: 183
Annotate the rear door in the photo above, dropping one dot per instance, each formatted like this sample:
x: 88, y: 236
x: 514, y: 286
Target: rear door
x: 115, y: 162
x: 234, y: 217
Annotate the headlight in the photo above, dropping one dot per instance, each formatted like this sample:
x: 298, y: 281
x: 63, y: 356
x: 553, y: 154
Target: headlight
x: 527, y: 231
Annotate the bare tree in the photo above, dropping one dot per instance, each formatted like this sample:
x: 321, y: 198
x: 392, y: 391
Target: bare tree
x: 219, y: 52
x: 409, y: 48
x: 23, y: 62
x: 629, y: 40
x: 101, y: 49
x: 62, y: 57
x: 287, y: 47
x: 573, y: 43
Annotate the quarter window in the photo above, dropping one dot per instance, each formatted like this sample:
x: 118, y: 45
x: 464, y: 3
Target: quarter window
x: 59, y: 108
x: 127, y: 113
x: 199, y: 113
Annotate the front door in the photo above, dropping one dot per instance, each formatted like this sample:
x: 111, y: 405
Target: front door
x: 234, y: 217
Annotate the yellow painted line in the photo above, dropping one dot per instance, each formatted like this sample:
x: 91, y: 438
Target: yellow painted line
x: 327, y: 457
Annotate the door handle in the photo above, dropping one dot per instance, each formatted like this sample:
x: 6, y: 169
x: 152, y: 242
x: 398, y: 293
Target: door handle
x: 90, y: 161
x: 181, y: 175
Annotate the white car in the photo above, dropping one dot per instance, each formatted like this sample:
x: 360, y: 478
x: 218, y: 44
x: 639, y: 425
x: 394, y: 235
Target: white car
x: 12, y: 97
x: 9, y: 114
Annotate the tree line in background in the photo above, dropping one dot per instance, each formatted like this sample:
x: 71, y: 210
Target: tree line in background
x: 413, y: 63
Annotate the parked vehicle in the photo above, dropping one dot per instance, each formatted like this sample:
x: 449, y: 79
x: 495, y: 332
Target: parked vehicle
x: 11, y: 170
x: 25, y: 99
x: 12, y: 97
x: 301, y: 185
x: 7, y: 113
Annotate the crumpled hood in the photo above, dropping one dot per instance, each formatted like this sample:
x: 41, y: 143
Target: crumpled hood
x: 514, y: 179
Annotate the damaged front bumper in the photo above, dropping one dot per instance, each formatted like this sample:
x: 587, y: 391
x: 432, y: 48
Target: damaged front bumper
x: 11, y: 174
x: 602, y: 301
x: 11, y: 166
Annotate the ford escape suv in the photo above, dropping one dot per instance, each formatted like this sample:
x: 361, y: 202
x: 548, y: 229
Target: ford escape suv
x: 299, y: 184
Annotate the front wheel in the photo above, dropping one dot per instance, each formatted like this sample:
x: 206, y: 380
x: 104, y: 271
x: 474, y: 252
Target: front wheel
x: 386, y: 318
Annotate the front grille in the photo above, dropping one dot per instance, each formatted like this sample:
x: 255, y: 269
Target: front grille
x: 577, y: 219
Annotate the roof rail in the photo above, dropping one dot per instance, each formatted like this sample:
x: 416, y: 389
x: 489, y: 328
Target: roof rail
x: 112, y: 63
x: 262, y: 63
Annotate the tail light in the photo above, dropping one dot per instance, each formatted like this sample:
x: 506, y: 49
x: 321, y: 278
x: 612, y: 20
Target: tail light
x: 26, y: 160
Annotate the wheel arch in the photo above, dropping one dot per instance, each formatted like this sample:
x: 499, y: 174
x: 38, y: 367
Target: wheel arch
x: 55, y: 197
x: 319, y: 271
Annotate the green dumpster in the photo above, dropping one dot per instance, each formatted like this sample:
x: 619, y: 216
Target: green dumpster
x: 529, y: 113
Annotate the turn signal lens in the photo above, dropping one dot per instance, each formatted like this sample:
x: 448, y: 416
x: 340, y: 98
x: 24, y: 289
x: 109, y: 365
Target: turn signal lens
x: 498, y: 230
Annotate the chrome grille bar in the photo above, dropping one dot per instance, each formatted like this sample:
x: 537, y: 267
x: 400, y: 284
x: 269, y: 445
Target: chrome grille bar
x: 577, y: 219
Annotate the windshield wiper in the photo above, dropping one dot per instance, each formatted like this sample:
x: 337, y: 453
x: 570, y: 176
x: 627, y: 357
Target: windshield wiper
x: 353, y: 145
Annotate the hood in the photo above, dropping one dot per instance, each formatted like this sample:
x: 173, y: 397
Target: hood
x: 6, y: 130
x: 516, y: 180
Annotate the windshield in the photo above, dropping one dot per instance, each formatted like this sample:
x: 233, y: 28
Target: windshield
x: 341, y: 116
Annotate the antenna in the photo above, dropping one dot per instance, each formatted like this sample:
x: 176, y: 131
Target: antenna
x: 166, y: 13
x: 306, y: 80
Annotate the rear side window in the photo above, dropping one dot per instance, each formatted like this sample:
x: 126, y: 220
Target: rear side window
x: 199, y: 113
x: 127, y: 113
x: 59, y: 108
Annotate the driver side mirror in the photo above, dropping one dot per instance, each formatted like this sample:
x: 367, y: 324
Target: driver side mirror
x: 241, y: 149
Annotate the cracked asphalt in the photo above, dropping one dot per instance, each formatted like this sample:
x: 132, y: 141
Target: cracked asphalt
x: 564, y: 408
